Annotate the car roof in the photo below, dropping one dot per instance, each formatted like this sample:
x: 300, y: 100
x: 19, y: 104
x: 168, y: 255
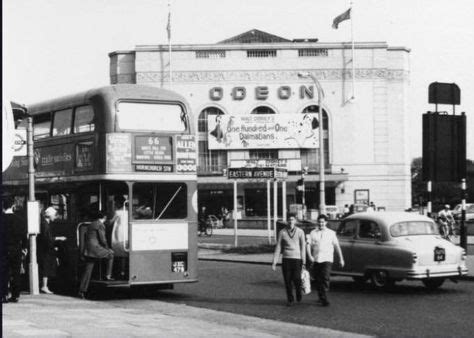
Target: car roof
x: 389, y: 217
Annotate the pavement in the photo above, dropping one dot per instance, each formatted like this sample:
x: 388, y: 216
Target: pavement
x: 64, y: 316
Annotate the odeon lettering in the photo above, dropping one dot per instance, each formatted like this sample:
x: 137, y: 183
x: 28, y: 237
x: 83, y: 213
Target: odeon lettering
x: 261, y: 93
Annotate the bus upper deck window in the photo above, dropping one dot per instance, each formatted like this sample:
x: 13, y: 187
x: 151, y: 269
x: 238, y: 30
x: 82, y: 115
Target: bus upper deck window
x: 41, y: 126
x: 62, y: 122
x: 83, y: 119
x: 151, y: 116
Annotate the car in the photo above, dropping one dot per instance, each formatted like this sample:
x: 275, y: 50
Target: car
x: 457, y: 212
x: 215, y: 222
x: 387, y: 247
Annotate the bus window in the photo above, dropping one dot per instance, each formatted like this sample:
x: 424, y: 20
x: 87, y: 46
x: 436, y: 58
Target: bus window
x: 41, y: 126
x: 61, y: 203
x: 83, y: 119
x: 159, y: 201
x: 87, y: 204
x: 116, y: 197
x: 153, y: 116
x: 62, y: 122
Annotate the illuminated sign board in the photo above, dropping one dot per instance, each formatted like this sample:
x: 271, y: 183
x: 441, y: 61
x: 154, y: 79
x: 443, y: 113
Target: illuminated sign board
x: 263, y: 131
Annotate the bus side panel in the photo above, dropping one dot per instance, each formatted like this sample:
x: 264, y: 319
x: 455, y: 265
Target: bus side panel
x: 163, y: 253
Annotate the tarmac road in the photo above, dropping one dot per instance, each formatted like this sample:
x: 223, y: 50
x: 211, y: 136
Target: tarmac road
x: 255, y: 290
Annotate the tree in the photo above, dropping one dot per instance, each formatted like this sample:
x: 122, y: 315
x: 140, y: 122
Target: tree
x: 442, y: 192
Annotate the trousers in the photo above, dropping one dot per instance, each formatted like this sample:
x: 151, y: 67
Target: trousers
x: 86, y: 275
x: 11, y: 272
x: 291, y: 268
x: 322, y: 272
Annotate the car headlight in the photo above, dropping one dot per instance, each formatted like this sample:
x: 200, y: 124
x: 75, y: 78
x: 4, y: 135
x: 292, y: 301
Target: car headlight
x: 463, y: 255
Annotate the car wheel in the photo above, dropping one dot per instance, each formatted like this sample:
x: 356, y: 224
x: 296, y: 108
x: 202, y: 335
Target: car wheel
x: 209, y: 231
x: 433, y: 283
x: 380, y: 279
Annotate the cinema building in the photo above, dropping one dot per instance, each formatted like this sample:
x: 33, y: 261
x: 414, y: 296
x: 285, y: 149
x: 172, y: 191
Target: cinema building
x: 255, y: 75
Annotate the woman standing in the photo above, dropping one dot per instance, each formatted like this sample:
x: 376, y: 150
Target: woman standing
x: 46, y: 250
x: 291, y: 243
x: 95, y: 248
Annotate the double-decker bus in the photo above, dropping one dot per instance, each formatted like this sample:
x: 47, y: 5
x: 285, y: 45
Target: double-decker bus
x: 130, y: 151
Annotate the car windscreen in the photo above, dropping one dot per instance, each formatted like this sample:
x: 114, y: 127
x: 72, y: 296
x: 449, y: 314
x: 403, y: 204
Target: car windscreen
x: 413, y: 228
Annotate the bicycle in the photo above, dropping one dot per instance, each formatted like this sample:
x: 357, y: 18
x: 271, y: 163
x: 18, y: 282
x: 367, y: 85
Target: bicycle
x: 205, y: 229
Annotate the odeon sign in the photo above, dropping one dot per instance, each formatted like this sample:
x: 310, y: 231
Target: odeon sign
x: 261, y: 93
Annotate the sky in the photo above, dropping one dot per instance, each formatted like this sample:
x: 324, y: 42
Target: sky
x: 57, y: 47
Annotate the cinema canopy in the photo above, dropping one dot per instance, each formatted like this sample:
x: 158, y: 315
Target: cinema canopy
x: 252, y: 81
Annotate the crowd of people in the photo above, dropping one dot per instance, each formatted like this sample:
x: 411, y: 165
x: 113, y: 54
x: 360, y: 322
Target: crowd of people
x: 95, y: 247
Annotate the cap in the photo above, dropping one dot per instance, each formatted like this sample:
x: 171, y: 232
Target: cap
x: 447, y: 206
x: 50, y: 211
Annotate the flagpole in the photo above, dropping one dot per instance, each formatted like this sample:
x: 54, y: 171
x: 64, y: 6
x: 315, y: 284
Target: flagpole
x: 169, y: 43
x: 352, y: 43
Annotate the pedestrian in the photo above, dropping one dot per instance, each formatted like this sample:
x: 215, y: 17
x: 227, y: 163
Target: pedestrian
x: 291, y: 245
x: 47, y: 262
x: 14, y: 236
x: 371, y: 207
x: 95, y: 248
x: 321, y: 244
x: 225, y: 216
x: 202, y: 219
x: 346, y: 211
x: 119, y: 237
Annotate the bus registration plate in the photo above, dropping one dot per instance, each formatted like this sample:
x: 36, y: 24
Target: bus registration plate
x: 179, y: 261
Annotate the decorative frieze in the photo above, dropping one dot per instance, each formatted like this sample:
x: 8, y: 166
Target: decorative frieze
x: 273, y: 75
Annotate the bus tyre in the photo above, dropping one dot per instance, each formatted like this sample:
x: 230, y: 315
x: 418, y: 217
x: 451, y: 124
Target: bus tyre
x: 433, y: 283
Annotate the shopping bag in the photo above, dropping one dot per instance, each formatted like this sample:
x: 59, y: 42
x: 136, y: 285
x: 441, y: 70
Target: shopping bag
x: 305, y: 282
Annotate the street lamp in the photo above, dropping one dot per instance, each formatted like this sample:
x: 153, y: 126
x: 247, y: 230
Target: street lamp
x: 322, y: 197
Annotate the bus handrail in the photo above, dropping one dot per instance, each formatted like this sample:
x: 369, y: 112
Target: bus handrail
x: 78, y: 235
x: 169, y: 202
x: 125, y: 230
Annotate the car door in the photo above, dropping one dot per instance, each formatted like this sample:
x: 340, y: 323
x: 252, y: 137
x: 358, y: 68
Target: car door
x: 366, y: 250
x: 345, y: 234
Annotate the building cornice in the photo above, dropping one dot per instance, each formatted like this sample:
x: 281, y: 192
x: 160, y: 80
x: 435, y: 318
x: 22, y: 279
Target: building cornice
x: 253, y: 46
x: 271, y: 76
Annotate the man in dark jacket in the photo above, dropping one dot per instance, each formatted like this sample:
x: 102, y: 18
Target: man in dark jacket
x: 95, y: 248
x: 15, y: 240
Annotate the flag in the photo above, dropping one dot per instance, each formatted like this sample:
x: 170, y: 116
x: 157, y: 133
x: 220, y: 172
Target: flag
x: 342, y: 17
x: 168, y: 26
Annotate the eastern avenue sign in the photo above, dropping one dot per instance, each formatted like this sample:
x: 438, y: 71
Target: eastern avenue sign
x: 256, y: 173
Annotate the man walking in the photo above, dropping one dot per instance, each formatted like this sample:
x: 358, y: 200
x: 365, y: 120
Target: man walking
x: 15, y: 240
x: 320, y: 247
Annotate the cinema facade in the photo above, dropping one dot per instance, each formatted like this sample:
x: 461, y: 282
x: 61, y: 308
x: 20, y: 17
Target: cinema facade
x: 255, y: 75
